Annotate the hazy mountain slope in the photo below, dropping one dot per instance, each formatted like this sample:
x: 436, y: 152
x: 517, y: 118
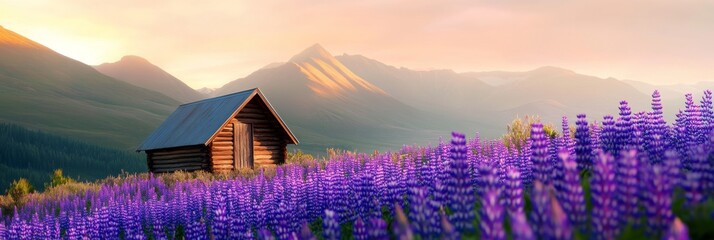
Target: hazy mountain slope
x: 42, y: 89
x: 563, y: 92
x: 140, y: 72
x: 326, y: 104
x: 436, y: 91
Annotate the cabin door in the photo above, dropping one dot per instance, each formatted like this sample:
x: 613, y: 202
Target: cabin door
x: 243, y: 147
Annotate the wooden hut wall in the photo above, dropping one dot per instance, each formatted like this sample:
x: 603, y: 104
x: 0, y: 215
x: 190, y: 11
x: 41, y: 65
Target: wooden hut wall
x: 222, y: 149
x: 269, y: 143
x: 186, y: 158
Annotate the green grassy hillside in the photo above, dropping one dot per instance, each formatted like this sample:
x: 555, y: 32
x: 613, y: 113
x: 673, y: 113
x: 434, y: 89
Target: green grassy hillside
x: 41, y: 89
x: 33, y: 155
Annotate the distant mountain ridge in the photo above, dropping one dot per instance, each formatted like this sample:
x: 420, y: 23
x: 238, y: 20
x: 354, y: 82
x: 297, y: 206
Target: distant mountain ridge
x: 140, y: 72
x: 42, y: 89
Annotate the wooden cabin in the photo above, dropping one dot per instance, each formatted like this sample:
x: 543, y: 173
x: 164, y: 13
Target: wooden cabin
x: 239, y: 130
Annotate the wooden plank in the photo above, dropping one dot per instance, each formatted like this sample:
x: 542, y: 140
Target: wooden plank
x: 164, y: 170
x: 267, y: 138
x: 222, y: 139
x: 170, y: 152
x: 263, y: 148
x: 222, y: 143
x: 265, y: 157
x: 266, y: 143
x: 223, y: 162
x: 263, y: 130
x: 214, y: 153
x: 251, y: 110
x: 180, y: 160
x: 178, y: 165
x: 174, y: 156
x: 268, y: 152
x: 225, y: 134
x: 221, y: 148
x: 221, y: 157
x: 253, y: 120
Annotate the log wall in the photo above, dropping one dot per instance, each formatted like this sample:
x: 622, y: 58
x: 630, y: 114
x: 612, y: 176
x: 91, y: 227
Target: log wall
x: 170, y: 160
x: 222, y: 150
x: 269, y: 143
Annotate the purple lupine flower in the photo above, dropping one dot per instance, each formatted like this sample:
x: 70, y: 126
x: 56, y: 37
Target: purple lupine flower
x: 677, y: 231
x: 559, y: 223
x: 526, y: 165
x: 196, y: 230
x: 331, y: 225
x: 540, y: 215
x: 365, y: 196
x: 604, y: 212
x: 655, y: 132
x: 377, y: 229
x: 627, y: 186
x: 623, y: 129
x: 238, y: 227
x: 700, y: 162
x: 557, y: 165
x: 608, y: 136
x: 571, y: 196
x: 3, y: 232
x: 519, y: 226
x: 462, y: 198
x: 359, y: 232
x: 567, y: 138
x: 693, y: 121
x: 693, y: 191
x: 491, y: 211
x: 595, y: 140
x: 707, y: 113
x: 539, y: 149
x: 419, y: 211
x: 513, y: 194
x: 219, y: 227
x: 659, y: 204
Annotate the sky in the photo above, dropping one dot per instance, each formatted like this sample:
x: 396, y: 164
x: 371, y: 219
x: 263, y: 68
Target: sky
x: 208, y: 43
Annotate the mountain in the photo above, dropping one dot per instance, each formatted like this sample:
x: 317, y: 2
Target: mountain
x: 560, y: 92
x: 140, y: 72
x: 42, y: 89
x: 328, y: 105
x: 495, y: 98
x: 208, y: 92
x: 436, y: 91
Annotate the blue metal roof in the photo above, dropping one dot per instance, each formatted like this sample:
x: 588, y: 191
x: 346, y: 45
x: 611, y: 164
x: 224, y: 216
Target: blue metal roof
x: 195, y: 123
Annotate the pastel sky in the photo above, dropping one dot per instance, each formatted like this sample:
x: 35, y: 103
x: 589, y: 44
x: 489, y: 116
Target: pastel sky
x: 209, y: 43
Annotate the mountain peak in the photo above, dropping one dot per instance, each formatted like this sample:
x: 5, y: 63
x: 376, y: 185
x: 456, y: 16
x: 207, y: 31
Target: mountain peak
x: 8, y: 37
x: 316, y: 51
x: 133, y: 59
x: 552, y: 70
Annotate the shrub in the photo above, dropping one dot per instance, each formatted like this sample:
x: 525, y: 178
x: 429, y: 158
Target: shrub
x: 57, y: 178
x: 519, y: 130
x: 19, y: 189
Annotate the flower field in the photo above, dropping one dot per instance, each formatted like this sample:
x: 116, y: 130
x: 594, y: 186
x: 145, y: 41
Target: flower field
x: 631, y: 177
